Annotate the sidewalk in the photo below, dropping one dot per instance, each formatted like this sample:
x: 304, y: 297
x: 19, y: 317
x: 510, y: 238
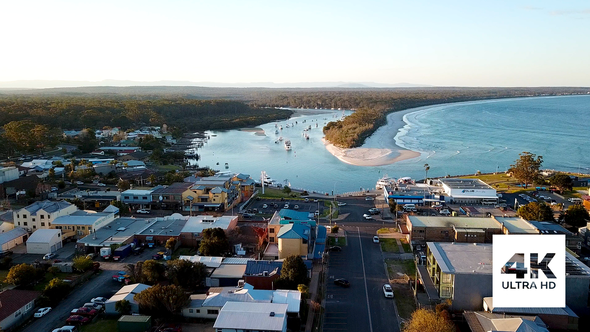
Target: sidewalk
x: 313, y: 290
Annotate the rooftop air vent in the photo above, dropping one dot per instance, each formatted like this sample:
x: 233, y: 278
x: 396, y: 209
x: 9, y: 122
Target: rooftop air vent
x: 272, y: 314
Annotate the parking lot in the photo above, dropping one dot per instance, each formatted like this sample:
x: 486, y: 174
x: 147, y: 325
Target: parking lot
x: 266, y: 207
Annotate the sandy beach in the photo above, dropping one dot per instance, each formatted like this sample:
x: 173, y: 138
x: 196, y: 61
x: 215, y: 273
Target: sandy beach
x: 380, y: 148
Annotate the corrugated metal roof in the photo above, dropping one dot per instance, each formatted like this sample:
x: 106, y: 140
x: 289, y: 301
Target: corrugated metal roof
x: 258, y: 267
x: 294, y: 231
x: 236, y: 260
x: 47, y: 206
x: 12, y: 234
x: 43, y: 235
x: 135, y: 318
x: 252, y: 316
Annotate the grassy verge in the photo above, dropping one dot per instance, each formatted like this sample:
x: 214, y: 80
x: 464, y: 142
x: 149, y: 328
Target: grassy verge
x: 389, y: 245
x: 397, y: 268
x: 404, y: 300
x: 499, y: 181
x: 184, y: 251
x: 100, y: 325
x: 278, y: 193
x: 48, y: 277
x: 406, y: 245
x: 340, y: 241
x: 385, y: 230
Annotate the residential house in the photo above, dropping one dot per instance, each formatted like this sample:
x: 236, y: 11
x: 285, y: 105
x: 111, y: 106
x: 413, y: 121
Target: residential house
x: 485, y: 321
x: 44, y: 241
x: 41, y: 214
x: 125, y: 293
x: 262, y: 274
x: 285, y: 217
x: 120, y: 150
x: 16, y: 306
x: 191, y: 233
x: 138, y: 198
x: 19, y: 187
x: 213, y: 193
x: 6, y: 222
x: 249, y: 317
x: 12, y: 238
x: 226, y: 275
x: 82, y: 223
x: 170, y: 197
x: 246, y: 183
x: 293, y: 240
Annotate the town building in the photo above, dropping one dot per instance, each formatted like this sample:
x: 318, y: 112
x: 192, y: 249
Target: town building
x: 16, y: 306
x: 120, y: 231
x: 451, y: 229
x: 262, y: 274
x: 8, y: 174
x: 138, y: 198
x: 468, y: 191
x: 246, y: 316
x: 212, y: 193
x: 191, y: 233
x: 41, y: 214
x: 485, y: 321
x: 293, y: 239
x: 170, y: 197
x: 12, y: 238
x: 285, y: 217
x: 246, y: 183
x: 162, y: 229
x: 44, y: 241
x: 82, y: 223
x: 125, y: 293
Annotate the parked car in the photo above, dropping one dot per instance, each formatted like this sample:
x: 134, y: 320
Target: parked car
x: 158, y: 256
x: 437, y: 206
x: 77, y: 319
x: 54, y: 189
x: 369, y: 198
x: 99, y: 300
x: 95, y: 306
x: 335, y: 248
x: 367, y: 216
x: 374, y: 211
x: 67, y: 328
x: 79, y: 182
x: 83, y: 311
x: 342, y: 283
x: 375, y: 239
x: 388, y: 291
x: 296, y: 207
x: 102, y: 185
x: 49, y: 255
x: 91, y: 255
x: 286, y: 206
x: 170, y: 327
x: 264, y: 206
x: 316, y: 213
x: 306, y: 200
x: 341, y: 203
x: 143, y: 211
x: 316, y: 200
x: 42, y: 312
x: 445, y: 212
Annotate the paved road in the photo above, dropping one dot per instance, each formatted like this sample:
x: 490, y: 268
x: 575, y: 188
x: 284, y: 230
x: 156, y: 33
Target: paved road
x: 362, y: 307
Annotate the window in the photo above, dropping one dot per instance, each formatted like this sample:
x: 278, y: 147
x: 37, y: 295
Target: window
x: 83, y: 228
x: 25, y: 223
x: 33, y: 220
x: 34, y: 226
x: 272, y: 239
x: 198, y: 311
x: 190, y: 311
x: 24, y: 216
x: 42, y: 216
x: 212, y: 312
x: 78, y: 227
x: 135, y: 197
x: 144, y: 198
x: 18, y: 215
x: 42, y: 224
x: 126, y: 197
x: 18, y: 223
x: 272, y: 230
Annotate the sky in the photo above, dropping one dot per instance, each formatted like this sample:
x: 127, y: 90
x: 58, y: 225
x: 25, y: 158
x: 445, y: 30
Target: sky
x: 441, y: 43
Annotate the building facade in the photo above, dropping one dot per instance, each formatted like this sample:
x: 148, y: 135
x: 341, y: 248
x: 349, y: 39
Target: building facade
x: 40, y: 215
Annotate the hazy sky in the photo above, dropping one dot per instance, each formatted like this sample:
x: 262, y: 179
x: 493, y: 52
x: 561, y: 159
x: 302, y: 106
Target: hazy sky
x: 461, y: 43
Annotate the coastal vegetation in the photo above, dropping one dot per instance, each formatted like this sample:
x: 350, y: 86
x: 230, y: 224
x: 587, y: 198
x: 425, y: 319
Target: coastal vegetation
x: 526, y: 168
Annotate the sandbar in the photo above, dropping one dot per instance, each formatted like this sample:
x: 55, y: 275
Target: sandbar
x: 380, y: 148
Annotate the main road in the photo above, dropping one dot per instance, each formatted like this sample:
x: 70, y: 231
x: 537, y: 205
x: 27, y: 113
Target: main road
x: 362, y: 307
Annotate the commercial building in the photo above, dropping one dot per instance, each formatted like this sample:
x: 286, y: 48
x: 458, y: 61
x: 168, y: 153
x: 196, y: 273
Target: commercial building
x: 44, y: 241
x: 214, y: 193
x: 41, y: 214
x: 486, y: 321
x: 125, y: 293
x: 8, y: 174
x: 170, y: 197
x: 469, y: 191
x: 12, y: 238
x: 17, y: 306
x: 245, y: 316
x: 138, y: 198
x: 190, y: 234
x: 262, y: 274
x: 285, y: 217
x: 293, y: 239
x: 162, y: 229
x: 120, y: 231
x: 82, y: 223
x: 451, y: 229
x: 462, y: 272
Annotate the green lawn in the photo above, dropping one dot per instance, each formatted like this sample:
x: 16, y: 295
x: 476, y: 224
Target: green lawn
x: 397, y: 268
x: 3, y: 274
x: 48, y: 276
x: 184, y: 251
x: 406, y: 245
x: 340, y: 241
x: 385, y: 230
x: 277, y: 193
x: 389, y: 245
x: 404, y: 300
x: 100, y: 325
x: 500, y: 181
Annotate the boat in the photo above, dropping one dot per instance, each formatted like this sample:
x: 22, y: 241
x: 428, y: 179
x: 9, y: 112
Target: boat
x: 306, y: 136
x: 281, y: 127
x: 288, y: 145
x: 226, y: 165
x: 277, y: 142
x: 280, y: 138
x: 276, y: 132
x: 385, y: 181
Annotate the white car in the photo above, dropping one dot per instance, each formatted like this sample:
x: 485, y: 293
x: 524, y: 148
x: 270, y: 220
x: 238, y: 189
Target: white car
x: 296, y: 207
x: 67, y: 328
x: 102, y: 185
x: 388, y: 291
x: 445, y: 212
x: 375, y: 239
x: 341, y: 203
x: 95, y: 306
x: 143, y: 211
x: 79, y: 182
x: 99, y: 300
x: 49, y: 255
x: 316, y: 200
x: 367, y: 216
x: 264, y: 206
x: 286, y: 206
x: 369, y: 198
x: 42, y: 312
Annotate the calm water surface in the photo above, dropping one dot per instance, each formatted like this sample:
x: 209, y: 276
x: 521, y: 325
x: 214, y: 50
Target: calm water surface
x: 459, y: 138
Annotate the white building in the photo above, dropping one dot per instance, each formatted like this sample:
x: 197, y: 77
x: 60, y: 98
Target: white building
x: 44, y: 241
x: 246, y: 317
x: 125, y: 293
x: 8, y: 174
x: 17, y: 306
x: 12, y: 238
x: 41, y: 214
x: 470, y: 191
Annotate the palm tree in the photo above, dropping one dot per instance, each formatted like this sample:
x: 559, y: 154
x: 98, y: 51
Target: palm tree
x: 426, y: 168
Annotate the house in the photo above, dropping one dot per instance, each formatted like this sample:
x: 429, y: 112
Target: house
x: 485, y: 321
x: 239, y: 316
x: 285, y: 217
x: 138, y: 198
x: 462, y: 272
x: 191, y: 232
x: 41, y: 214
x: 6, y: 222
x: 293, y: 240
x: 451, y: 229
x: 44, y: 241
x: 139, y: 155
x: 16, y: 306
x: 82, y: 223
x: 125, y: 293
x: 554, y: 318
x: 226, y: 275
x: 210, y: 305
x: 246, y: 183
x: 213, y: 193
x: 8, y: 174
x: 19, y: 187
x: 262, y: 274
x: 120, y: 231
x: 12, y: 238
x: 170, y: 197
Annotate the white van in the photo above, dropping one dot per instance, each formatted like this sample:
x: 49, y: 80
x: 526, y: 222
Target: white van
x: 409, y: 207
x: 575, y: 200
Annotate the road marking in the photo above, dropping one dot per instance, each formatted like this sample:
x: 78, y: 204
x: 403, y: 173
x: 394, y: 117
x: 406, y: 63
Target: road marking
x: 365, y: 279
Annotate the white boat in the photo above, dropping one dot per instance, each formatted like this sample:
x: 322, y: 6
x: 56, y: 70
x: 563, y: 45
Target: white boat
x: 276, y: 132
x: 385, y: 181
x: 280, y: 138
x: 288, y: 145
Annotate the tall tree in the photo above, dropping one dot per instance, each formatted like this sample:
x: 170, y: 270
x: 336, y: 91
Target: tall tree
x: 152, y: 271
x: 55, y: 290
x: 87, y: 141
x: 424, y: 320
x: 21, y: 275
x: 82, y: 263
x: 214, y: 242
x: 185, y: 273
x: 536, y: 211
x: 123, y: 185
x: 526, y: 168
x: 576, y: 215
x: 561, y: 181
x: 162, y: 299
x: 123, y: 307
x: 293, y: 273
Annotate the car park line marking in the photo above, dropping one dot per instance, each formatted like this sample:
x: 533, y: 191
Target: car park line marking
x: 365, y: 279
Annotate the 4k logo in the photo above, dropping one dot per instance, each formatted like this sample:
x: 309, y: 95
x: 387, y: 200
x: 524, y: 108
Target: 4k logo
x: 534, y: 276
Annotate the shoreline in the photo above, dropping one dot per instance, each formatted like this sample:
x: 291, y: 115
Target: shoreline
x: 380, y: 148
